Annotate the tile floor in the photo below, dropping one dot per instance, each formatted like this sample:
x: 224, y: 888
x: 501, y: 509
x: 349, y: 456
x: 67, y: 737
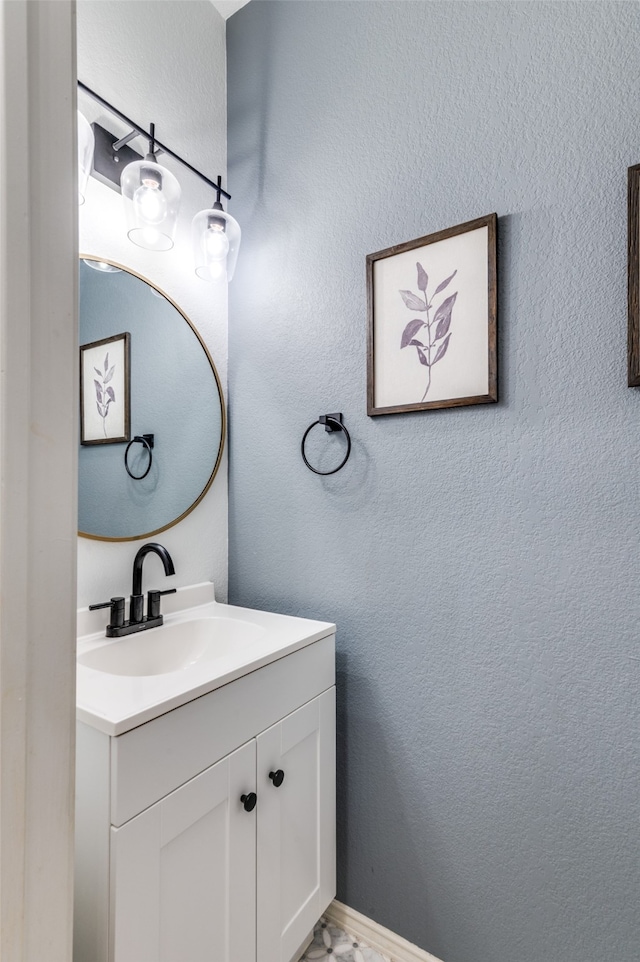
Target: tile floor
x: 329, y: 941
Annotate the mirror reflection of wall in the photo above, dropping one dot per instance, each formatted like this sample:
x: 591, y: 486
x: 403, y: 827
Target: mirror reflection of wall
x: 175, y: 395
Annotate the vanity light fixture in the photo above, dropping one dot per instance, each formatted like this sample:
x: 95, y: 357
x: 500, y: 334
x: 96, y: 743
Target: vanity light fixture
x: 151, y: 196
x: 85, y: 155
x: 216, y: 241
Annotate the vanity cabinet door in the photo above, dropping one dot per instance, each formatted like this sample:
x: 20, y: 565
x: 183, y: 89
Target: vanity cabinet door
x: 296, y: 827
x: 183, y: 872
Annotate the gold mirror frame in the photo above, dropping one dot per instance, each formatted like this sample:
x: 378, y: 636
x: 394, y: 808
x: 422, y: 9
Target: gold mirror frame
x: 223, y: 410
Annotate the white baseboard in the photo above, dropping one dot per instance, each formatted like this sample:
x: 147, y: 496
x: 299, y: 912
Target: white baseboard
x: 376, y: 936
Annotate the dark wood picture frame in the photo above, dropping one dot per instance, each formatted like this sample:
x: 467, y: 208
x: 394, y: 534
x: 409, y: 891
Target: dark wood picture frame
x: 443, y: 314
x: 633, y: 268
x: 87, y: 436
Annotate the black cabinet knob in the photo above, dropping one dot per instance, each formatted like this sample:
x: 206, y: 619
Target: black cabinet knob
x: 277, y: 777
x: 249, y: 801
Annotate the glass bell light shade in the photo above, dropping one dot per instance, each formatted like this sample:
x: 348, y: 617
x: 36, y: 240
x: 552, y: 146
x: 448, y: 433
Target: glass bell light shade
x: 151, y: 196
x: 86, y: 144
x: 216, y: 242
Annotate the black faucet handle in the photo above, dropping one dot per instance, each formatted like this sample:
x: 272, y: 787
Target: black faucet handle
x: 153, y: 601
x: 117, y: 611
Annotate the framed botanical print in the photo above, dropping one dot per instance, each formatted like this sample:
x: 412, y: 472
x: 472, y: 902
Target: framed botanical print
x: 432, y: 321
x: 633, y: 268
x: 105, y: 415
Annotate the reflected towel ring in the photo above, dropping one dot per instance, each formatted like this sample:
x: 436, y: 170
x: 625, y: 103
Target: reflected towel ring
x: 332, y: 423
x: 147, y: 441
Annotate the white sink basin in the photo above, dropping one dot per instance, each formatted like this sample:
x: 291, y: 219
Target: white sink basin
x: 174, y: 647
x: 202, y: 645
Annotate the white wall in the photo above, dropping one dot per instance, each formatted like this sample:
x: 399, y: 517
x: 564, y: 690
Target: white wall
x: 160, y: 61
x: 38, y: 445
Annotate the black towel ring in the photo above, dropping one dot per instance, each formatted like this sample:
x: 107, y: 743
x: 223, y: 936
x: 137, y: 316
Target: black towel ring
x: 147, y: 441
x: 332, y: 423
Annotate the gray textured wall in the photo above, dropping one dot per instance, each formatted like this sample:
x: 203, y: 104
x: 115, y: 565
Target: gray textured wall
x: 482, y: 564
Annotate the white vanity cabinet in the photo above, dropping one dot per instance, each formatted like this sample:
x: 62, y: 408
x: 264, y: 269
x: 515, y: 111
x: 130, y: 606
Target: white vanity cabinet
x: 172, y: 866
x: 183, y: 871
x: 296, y: 844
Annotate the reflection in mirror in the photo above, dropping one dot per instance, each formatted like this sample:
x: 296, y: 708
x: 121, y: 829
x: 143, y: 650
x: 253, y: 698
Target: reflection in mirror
x: 175, y: 395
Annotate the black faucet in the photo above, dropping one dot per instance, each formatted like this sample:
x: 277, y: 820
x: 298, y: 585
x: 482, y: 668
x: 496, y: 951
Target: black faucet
x: 136, y: 609
x: 117, y: 626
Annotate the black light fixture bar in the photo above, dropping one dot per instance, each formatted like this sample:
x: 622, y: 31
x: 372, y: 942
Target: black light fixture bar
x: 119, y: 144
x: 148, y: 135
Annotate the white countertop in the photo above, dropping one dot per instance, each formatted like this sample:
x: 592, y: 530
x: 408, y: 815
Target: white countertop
x: 116, y: 703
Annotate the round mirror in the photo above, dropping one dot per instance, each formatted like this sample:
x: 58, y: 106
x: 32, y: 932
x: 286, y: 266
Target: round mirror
x: 148, y: 387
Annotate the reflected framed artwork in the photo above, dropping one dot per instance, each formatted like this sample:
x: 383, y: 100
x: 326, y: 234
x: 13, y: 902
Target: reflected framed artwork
x: 432, y: 321
x: 633, y: 288
x: 105, y: 415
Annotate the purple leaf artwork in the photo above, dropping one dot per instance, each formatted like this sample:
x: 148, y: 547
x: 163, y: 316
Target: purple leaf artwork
x: 105, y: 396
x: 434, y: 330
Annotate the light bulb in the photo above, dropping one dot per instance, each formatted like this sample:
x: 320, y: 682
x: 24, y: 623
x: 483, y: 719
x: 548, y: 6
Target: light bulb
x: 216, y: 244
x: 215, y: 237
x: 151, y: 196
x: 150, y: 204
x: 150, y: 237
x: 217, y: 270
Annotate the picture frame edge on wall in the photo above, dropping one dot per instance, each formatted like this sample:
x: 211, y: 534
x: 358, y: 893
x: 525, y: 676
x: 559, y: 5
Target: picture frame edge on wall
x: 633, y: 276
x: 491, y: 222
x: 126, y: 337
